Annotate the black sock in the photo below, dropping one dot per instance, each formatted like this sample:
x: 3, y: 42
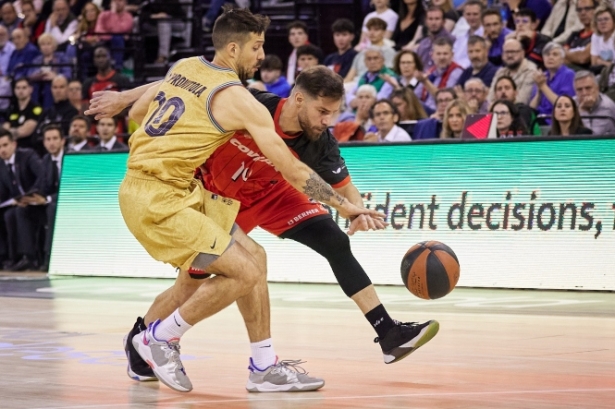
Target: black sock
x: 380, y: 320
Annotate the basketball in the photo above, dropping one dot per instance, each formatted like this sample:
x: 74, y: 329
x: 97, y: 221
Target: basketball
x: 430, y: 270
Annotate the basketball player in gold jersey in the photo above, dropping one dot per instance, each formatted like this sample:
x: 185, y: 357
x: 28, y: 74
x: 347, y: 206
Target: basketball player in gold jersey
x: 194, y: 110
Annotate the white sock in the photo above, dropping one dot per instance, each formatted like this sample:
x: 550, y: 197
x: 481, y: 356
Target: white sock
x: 171, y: 327
x: 263, y: 354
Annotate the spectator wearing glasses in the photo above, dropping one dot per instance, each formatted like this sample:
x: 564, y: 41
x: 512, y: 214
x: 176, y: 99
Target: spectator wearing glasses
x: 432, y: 127
x: 578, y: 44
x: 509, y: 121
x: 480, y: 66
x: 556, y: 80
x: 562, y: 21
x: 454, y: 119
x: 518, y: 68
x: 602, y: 46
x: 495, y: 33
x: 385, y: 117
x: 566, y: 119
x: 375, y: 76
x: 592, y: 102
x: 532, y: 41
x: 474, y: 94
x: 407, y: 65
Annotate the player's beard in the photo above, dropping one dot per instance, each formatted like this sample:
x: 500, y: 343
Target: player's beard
x: 311, y: 132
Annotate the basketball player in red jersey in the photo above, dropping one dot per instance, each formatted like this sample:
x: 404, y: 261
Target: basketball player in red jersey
x: 239, y: 170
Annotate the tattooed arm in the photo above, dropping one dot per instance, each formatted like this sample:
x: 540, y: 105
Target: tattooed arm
x: 249, y: 114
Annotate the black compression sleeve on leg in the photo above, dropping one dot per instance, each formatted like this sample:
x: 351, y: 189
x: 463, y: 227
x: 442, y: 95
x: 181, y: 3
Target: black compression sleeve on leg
x: 327, y: 239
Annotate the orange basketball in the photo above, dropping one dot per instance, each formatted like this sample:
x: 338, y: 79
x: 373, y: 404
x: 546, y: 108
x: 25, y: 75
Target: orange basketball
x: 430, y: 270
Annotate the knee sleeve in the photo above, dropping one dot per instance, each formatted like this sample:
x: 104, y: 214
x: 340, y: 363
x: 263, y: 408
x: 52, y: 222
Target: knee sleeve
x: 327, y: 239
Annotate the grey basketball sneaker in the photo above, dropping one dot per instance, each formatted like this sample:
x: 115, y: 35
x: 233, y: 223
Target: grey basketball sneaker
x: 163, y: 358
x: 283, y: 376
x: 405, y: 338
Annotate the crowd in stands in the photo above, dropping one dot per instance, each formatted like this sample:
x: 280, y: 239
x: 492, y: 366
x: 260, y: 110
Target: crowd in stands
x: 416, y: 69
x: 413, y: 70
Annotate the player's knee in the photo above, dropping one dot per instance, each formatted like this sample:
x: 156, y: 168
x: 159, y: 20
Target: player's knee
x: 260, y: 255
x: 335, y: 243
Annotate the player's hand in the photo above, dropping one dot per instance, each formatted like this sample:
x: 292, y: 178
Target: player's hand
x: 105, y: 104
x: 348, y: 210
x: 366, y: 223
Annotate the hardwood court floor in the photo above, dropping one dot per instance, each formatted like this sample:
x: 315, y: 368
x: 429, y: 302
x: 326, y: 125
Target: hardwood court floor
x: 60, y: 347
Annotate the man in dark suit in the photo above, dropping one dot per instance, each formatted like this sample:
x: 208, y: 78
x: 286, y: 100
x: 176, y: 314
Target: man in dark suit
x: 49, y: 184
x: 106, y: 132
x: 78, y: 134
x: 20, y: 173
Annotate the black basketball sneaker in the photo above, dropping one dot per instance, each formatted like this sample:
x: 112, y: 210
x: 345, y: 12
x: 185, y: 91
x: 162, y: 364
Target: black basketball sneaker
x: 137, y: 368
x: 405, y: 338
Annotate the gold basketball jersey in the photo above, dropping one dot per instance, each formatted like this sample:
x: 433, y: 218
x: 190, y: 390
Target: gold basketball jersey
x: 179, y: 131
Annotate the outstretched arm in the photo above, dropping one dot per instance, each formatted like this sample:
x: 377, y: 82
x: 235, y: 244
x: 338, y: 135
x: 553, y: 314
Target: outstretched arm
x: 106, y: 104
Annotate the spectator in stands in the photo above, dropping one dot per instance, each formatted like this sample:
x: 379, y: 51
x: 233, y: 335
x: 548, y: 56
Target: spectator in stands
x: 435, y: 28
x: 480, y: 66
x: 376, y: 72
x: 454, y: 118
x: 541, y: 8
x: 444, y: 74
x: 578, y: 44
x: 297, y: 36
x: 343, y: 36
x: 25, y: 52
x: 532, y: 41
x: 10, y: 20
x: 61, y: 24
x: 566, y: 119
x: 365, y: 98
x: 506, y: 89
x: 75, y: 95
x: 432, y: 127
x: 592, y: 103
x: 382, y: 12
x: 474, y: 94
x: 408, y: 105
x: 376, y: 29
x: 33, y: 22
x: 50, y: 64
x: 78, y: 134
x: 20, y: 173
x: 562, y: 21
x: 106, y: 132
x: 106, y: 79
x: 6, y: 50
x: 166, y: 18
x: 602, y: 46
x: 53, y: 140
x: 518, y: 68
x: 406, y: 65
x: 23, y: 114
x: 117, y: 21
x: 87, y: 24
x: 62, y: 111
x: 472, y: 10
x: 509, y: 121
x: 385, y: 117
x: 451, y: 16
x: 495, y: 33
x: 308, y: 55
x: 411, y: 18
x: 272, y: 78
x: 556, y: 80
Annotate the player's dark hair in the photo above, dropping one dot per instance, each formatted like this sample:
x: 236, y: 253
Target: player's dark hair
x: 272, y: 62
x: 310, y: 49
x: 342, y: 25
x: 320, y: 81
x: 236, y: 25
x: 53, y: 127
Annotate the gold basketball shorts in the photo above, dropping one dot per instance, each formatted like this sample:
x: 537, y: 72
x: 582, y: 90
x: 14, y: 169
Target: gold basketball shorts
x: 174, y: 225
